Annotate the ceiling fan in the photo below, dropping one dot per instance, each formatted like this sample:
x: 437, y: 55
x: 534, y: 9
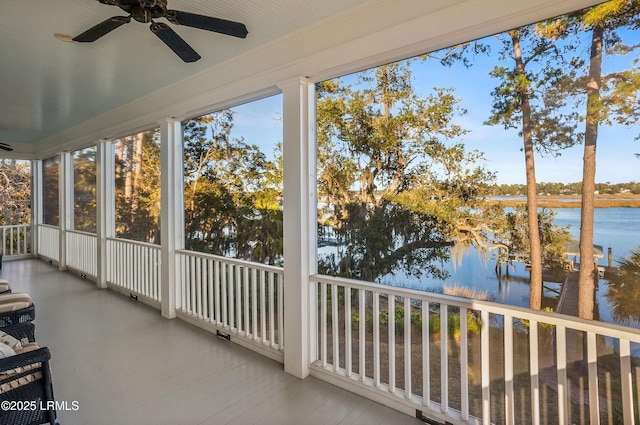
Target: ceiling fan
x: 145, y: 11
x: 5, y: 147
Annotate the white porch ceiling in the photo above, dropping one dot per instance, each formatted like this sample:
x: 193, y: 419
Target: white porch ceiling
x: 58, y: 95
x: 49, y: 85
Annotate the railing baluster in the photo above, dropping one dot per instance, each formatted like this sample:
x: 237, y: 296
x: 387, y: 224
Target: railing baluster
x: 323, y: 324
x: 561, y: 367
x: 509, y: 395
x: 464, y: 365
x: 376, y: 339
x: 183, y: 281
x: 335, y: 327
x: 245, y: 301
x: 592, y: 360
x: 347, y: 332
x: 254, y: 303
x: 263, y: 306
x: 190, y: 291
x: 426, y: 348
x: 238, y: 297
x: 233, y: 281
x: 534, y: 372
x: 216, y: 281
x: 626, y: 381
x: 272, y: 294
x: 210, y: 296
x: 225, y: 297
x: 391, y: 309
x: 362, y: 371
x: 281, y: 336
x: 444, y: 358
x: 408, y: 390
x: 201, y: 274
x: 485, y: 362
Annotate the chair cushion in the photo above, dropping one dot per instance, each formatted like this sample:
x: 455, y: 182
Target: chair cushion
x: 25, y: 348
x: 14, y: 301
x: 6, y: 351
x: 10, y: 341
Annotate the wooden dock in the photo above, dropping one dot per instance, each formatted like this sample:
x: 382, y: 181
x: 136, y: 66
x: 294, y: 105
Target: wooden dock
x: 568, y: 303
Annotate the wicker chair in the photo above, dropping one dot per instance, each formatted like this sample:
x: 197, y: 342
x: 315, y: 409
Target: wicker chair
x: 23, y: 332
x: 15, y: 308
x: 25, y: 381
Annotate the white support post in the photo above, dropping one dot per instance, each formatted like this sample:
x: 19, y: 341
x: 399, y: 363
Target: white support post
x: 299, y: 207
x: 37, y: 182
x: 65, y: 205
x: 171, y: 212
x: 105, y: 208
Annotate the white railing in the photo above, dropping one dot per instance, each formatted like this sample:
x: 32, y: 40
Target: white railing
x: 239, y: 298
x: 134, y: 267
x: 16, y: 240
x: 82, y: 252
x: 502, y: 364
x: 48, y: 242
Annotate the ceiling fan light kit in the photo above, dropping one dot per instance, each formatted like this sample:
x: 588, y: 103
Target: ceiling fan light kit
x: 146, y: 11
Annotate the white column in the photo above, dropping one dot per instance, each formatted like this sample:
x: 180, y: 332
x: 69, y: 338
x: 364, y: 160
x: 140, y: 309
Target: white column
x: 37, y: 182
x: 105, y: 208
x: 171, y: 211
x: 65, y: 205
x: 299, y: 206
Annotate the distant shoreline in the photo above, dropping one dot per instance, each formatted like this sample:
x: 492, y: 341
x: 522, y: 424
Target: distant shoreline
x: 623, y: 200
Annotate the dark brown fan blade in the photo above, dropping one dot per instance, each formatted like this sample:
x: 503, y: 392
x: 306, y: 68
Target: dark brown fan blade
x: 175, y: 43
x: 102, y: 29
x: 235, y: 29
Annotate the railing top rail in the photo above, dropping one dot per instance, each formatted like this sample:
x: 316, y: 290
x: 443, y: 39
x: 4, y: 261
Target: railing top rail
x: 243, y: 263
x: 132, y: 242
x: 571, y: 322
x: 81, y: 232
x: 8, y: 226
x: 49, y: 226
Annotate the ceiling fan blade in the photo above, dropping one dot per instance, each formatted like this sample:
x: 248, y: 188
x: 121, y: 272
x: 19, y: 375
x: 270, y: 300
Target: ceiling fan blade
x: 175, y: 43
x: 235, y: 29
x: 5, y: 147
x: 102, y: 29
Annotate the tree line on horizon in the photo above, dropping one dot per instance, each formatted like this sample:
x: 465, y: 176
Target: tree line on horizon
x: 575, y: 188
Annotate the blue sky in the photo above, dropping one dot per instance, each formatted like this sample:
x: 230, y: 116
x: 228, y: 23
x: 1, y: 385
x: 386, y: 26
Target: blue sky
x: 260, y: 123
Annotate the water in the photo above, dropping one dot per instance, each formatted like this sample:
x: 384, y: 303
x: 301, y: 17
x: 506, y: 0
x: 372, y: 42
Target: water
x: 615, y: 228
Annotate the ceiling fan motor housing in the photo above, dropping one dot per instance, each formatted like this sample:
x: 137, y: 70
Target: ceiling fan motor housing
x: 141, y: 15
x: 140, y: 10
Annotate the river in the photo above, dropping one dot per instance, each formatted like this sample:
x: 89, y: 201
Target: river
x: 615, y: 228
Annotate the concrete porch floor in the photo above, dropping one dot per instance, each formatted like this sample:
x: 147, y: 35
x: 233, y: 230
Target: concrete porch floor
x: 125, y: 364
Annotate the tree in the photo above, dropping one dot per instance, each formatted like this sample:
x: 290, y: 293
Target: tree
x: 15, y: 192
x: 609, y: 98
x: 232, y: 192
x: 531, y: 97
x: 138, y: 187
x: 624, y: 291
x: 397, y: 187
x: 84, y: 193
x: 51, y: 182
